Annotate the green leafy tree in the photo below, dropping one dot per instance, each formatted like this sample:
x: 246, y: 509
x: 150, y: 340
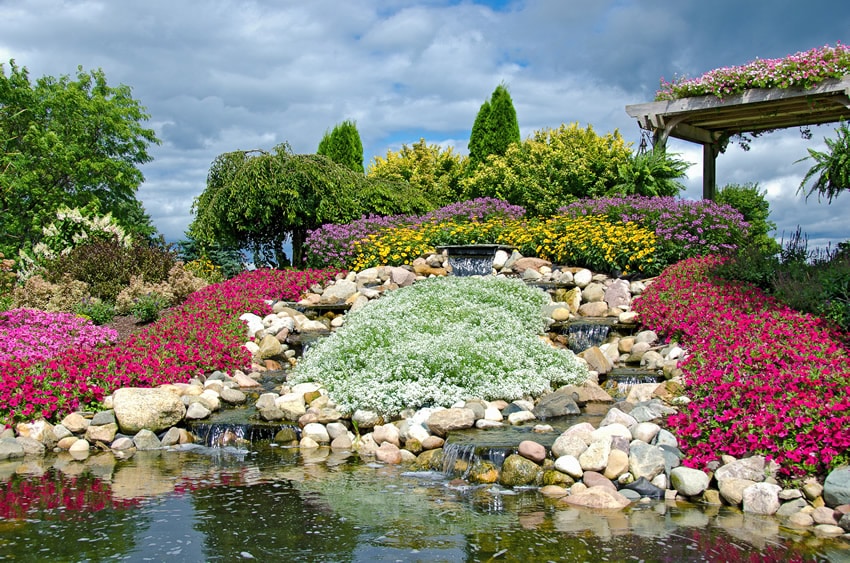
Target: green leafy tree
x: 71, y: 143
x: 434, y: 172
x: 831, y: 171
x: 551, y: 168
x: 258, y: 201
x: 343, y: 146
x: 228, y: 258
x: 495, y: 128
x: 652, y: 173
x: 750, y: 201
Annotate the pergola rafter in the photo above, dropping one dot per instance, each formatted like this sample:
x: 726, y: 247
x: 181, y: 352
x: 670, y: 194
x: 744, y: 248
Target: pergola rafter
x: 711, y: 121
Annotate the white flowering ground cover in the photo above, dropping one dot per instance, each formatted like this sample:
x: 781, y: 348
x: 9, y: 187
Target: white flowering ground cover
x: 440, y: 341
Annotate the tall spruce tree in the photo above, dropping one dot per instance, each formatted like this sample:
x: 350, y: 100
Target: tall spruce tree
x: 343, y: 146
x: 495, y: 127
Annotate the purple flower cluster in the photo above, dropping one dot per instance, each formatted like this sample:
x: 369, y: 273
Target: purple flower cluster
x: 686, y: 228
x: 333, y: 245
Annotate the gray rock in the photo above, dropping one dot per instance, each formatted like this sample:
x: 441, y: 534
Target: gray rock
x: 171, y: 437
x: 570, y: 465
x: 76, y: 423
x: 338, y: 292
x: 844, y: 523
x: 10, y: 448
x: 630, y: 494
x: 444, y: 421
x: 317, y: 432
x: 645, y: 431
x: 616, y: 416
x: 197, y: 411
x: 645, y: 460
x: 31, y: 446
x: 666, y: 438
x: 103, y: 417
x: 751, y: 468
x: 595, y: 457
x: 233, y: 396
x: 761, y: 498
x: 104, y: 433
x: 689, y: 482
x: 732, y: 489
x: 568, y: 445
x: 836, y: 487
x: 790, y: 507
x: 146, y: 440
x: 598, y: 497
x: 366, y: 419
x: 554, y: 405
x: 618, y: 295
x: 149, y: 409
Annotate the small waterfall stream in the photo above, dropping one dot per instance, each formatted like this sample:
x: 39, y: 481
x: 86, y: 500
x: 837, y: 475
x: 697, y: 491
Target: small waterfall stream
x: 460, y: 458
x: 222, y: 434
x: 581, y: 336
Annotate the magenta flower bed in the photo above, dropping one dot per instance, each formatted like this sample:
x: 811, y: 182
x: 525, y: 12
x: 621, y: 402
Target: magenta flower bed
x: 763, y: 378
x: 201, y: 335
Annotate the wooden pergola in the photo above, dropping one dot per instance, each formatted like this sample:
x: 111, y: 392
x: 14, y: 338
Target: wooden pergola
x: 711, y: 121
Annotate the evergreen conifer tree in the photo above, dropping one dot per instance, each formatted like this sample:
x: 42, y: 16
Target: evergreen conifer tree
x: 343, y: 146
x: 495, y: 127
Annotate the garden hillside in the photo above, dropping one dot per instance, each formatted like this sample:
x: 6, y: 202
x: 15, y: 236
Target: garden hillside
x: 761, y: 377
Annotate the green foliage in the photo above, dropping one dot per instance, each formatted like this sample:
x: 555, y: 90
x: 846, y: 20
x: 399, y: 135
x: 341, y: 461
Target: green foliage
x: 831, y: 171
x: 495, y: 128
x: 108, y: 266
x: 652, y: 173
x: 468, y: 338
x: 148, y: 307
x: 434, y: 172
x: 70, y: 143
x: 8, y: 279
x: 343, y: 146
x: 99, y: 312
x: 226, y: 260
x: 750, y: 201
x: 551, y: 168
x: 811, y: 282
x: 258, y: 201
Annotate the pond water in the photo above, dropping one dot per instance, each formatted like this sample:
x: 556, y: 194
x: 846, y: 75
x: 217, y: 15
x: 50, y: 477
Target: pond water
x: 283, y: 504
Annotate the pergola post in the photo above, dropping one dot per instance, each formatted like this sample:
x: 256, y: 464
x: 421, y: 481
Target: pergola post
x: 709, y: 170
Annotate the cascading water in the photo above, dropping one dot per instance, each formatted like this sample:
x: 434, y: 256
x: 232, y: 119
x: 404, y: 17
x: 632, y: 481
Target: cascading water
x: 472, y: 259
x: 460, y: 458
x: 581, y: 336
x: 219, y: 435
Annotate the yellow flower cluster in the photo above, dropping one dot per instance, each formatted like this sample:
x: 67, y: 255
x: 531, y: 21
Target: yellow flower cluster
x: 592, y: 241
x: 205, y: 269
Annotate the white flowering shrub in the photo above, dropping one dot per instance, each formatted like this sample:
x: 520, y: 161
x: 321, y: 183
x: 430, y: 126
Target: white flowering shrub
x: 437, y: 342
x: 72, y: 228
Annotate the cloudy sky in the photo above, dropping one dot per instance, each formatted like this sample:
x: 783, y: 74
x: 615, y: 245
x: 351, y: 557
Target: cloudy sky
x: 222, y: 75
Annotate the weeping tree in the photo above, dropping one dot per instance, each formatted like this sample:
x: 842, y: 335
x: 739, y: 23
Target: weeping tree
x: 831, y: 170
x: 260, y: 200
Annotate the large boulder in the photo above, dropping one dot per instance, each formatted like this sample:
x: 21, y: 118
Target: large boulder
x: 689, y: 482
x: 149, y: 409
x: 444, y: 421
x: 836, y: 488
x: 552, y: 405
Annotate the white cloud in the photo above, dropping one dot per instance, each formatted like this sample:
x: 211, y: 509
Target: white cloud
x: 226, y: 75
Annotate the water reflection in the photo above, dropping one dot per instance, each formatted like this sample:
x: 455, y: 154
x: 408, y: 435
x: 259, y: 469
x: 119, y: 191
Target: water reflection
x: 284, y: 504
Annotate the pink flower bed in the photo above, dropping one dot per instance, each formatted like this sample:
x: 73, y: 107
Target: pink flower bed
x: 763, y: 378
x: 29, y: 334
x: 201, y: 335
